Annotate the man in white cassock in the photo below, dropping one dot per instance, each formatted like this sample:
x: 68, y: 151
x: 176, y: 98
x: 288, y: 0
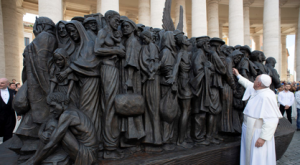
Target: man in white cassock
x: 261, y: 117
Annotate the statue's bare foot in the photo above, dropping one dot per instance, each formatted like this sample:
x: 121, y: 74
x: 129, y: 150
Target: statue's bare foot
x: 214, y: 141
x: 205, y: 142
x: 185, y: 145
x: 112, y: 155
x: 150, y: 149
x: 218, y: 137
x: 169, y: 147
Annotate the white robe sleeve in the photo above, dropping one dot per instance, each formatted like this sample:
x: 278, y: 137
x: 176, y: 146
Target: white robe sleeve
x: 244, y: 82
x: 268, y: 128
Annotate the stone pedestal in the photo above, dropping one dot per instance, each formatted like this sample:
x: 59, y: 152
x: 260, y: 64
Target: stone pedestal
x: 228, y: 152
x: 199, y: 18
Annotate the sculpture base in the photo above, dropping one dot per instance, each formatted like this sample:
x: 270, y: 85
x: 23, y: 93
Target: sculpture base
x: 228, y: 152
x: 225, y: 153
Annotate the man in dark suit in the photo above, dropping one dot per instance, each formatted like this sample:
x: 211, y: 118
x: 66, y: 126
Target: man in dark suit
x: 7, y: 114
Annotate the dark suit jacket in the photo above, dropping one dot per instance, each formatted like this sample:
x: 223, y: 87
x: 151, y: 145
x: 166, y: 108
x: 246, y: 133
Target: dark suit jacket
x: 7, y: 113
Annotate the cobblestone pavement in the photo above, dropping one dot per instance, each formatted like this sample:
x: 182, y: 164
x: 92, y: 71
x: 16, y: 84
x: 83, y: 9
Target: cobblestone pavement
x: 292, y: 154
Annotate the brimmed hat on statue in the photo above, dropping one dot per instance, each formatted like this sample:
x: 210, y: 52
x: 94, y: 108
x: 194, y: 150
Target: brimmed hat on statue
x: 217, y: 40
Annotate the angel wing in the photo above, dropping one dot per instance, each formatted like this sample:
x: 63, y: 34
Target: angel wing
x: 180, y: 23
x: 167, y: 20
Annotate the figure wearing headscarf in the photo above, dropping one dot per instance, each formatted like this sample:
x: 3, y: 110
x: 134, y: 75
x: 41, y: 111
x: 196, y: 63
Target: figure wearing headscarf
x: 63, y: 38
x: 37, y: 80
x: 169, y: 108
x: 60, y: 62
x: 270, y: 64
x: 248, y: 69
x: 258, y: 58
x: 238, y: 104
x: 106, y: 48
x: 227, y: 90
x: 85, y: 65
x: 130, y: 81
x: 149, y: 63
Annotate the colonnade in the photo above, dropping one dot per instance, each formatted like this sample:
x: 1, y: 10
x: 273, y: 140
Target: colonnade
x: 205, y: 21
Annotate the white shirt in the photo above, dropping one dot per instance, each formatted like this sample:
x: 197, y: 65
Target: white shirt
x: 5, y: 95
x: 297, y: 97
x: 286, y: 98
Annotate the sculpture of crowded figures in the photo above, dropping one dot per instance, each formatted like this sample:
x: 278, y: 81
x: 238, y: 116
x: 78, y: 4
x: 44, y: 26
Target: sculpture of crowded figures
x: 102, y: 90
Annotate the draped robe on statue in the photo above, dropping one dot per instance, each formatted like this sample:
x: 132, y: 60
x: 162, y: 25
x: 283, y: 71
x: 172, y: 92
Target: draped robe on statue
x: 261, y: 116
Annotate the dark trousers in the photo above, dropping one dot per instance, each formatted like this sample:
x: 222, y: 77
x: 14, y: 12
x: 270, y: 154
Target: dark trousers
x: 7, y: 125
x: 288, y: 112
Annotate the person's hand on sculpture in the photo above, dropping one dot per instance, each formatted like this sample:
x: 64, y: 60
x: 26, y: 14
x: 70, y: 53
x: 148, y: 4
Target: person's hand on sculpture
x: 235, y: 72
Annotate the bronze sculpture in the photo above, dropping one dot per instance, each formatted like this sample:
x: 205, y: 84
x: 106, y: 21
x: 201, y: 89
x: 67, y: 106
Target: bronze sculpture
x: 105, y: 47
x: 115, y: 88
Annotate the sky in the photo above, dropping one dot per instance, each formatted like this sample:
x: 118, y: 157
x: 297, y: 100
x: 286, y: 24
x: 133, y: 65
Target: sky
x: 290, y: 42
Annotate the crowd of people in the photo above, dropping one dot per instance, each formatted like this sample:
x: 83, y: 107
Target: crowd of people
x: 289, y: 100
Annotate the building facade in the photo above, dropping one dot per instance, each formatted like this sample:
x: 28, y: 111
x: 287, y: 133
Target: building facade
x: 261, y: 24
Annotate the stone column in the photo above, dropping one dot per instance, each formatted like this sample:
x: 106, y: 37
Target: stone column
x: 256, y: 39
x: 109, y: 5
x: 199, y: 18
x: 2, y: 47
x: 20, y: 13
x: 213, y: 18
x: 298, y: 49
x: 179, y: 3
x: 144, y: 12
x: 131, y: 16
x: 271, y: 30
x: 11, y: 38
x: 99, y: 7
x: 247, y: 40
x: 52, y: 9
x: 236, y: 23
x: 284, y: 63
x: 157, y: 8
x: 221, y: 29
